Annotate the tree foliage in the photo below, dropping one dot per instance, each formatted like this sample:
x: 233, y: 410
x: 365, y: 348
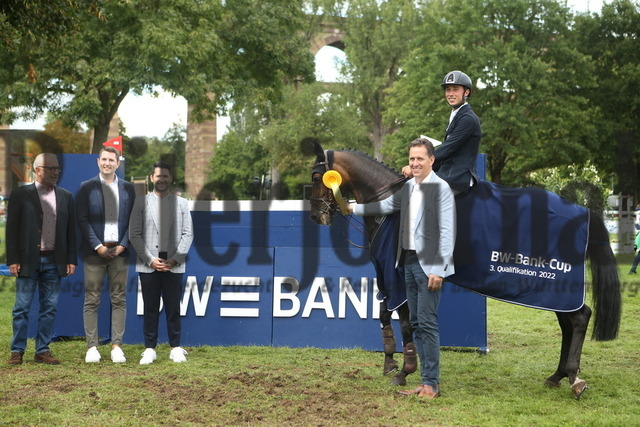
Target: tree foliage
x: 612, y: 39
x: 141, y: 153
x: 526, y: 70
x: 269, y: 138
x: 189, y: 48
x: 375, y: 45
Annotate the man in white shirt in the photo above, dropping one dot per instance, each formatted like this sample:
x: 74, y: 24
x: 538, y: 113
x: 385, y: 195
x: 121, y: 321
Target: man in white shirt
x: 104, y: 204
x: 425, y: 249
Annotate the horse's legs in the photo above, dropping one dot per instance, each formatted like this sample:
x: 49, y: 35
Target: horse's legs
x: 574, y: 329
x: 388, y: 340
x: 410, y: 363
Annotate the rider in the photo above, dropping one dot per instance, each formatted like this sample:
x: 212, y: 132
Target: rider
x: 456, y: 157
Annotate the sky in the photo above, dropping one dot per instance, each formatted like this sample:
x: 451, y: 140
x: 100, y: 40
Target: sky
x: 153, y: 117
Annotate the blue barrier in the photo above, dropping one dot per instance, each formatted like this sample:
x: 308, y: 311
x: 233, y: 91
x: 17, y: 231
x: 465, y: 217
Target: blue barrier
x: 262, y: 273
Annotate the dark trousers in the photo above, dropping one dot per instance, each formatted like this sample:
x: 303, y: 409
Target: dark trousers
x: 168, y: 286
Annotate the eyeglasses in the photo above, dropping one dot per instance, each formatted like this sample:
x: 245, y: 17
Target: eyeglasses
x: 51, y: 168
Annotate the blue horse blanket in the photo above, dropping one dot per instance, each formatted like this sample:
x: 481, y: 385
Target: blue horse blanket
x: 525, y: 246
x: 521, y: 245
x: 382, y: 251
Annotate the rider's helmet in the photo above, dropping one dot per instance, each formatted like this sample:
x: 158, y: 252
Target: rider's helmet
x: 457, y: 78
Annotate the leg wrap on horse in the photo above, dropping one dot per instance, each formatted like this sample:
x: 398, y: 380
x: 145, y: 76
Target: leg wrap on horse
x: 389, y: 344
x: 388, y: 340
x: 410, y: 358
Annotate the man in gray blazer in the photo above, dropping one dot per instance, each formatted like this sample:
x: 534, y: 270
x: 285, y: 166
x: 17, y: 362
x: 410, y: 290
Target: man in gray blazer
x: 104, y: 205
x: 425, y: 250
x: 41, y: 248
x: 161, y: 232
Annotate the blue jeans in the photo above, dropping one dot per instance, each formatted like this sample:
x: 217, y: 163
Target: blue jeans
x: 423, y: 315
x: 46, y: 279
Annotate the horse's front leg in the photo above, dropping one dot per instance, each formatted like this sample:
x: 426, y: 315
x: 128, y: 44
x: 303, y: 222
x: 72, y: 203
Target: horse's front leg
x: 410, y: 362
x: 574, y: 329
x: 388, y: 340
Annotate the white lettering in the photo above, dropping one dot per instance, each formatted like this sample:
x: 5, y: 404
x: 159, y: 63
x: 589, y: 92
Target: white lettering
x: 347, y: 291
x: 318, y: 286
x: 279, y: 295
x: 199, y: 304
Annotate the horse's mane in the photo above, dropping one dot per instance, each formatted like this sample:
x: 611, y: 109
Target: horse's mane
x: 368, y: 158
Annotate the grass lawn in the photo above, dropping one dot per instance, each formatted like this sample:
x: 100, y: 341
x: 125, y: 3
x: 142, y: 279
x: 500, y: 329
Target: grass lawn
x: 285, y: 386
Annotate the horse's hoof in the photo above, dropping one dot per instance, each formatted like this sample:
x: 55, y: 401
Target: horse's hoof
x: 389, y: 367
x: 578, y: 387
x: 399, y: 379
x: 552, y: 382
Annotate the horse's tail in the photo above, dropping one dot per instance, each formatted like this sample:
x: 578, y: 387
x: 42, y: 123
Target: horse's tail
x: 607, y: 301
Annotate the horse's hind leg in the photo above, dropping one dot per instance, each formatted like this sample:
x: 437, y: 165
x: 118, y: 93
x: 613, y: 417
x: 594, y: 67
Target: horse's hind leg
x: 574, y: 329
x: 410, y: 363
x: 388, y: 340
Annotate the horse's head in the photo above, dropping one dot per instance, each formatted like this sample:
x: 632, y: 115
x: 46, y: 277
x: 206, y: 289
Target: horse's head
x: 323, y: 203
x: 363, y: 177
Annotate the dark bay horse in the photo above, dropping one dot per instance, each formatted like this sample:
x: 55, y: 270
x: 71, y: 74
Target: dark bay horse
x: 368, y: 180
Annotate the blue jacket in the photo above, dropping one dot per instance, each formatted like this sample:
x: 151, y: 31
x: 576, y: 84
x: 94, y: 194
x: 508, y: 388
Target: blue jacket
x: 90, y: 208
x: 456, y: 157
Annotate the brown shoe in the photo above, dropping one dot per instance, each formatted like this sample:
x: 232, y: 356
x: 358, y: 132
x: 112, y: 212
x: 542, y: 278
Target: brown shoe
x: 416, y: 390
x: 46, y: 358
x: 429, y: 392
x: 16, y: 358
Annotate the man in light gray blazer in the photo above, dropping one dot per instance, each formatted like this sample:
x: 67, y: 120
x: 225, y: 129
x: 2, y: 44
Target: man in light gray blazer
x: 425, y: 250
x: 161, y: 232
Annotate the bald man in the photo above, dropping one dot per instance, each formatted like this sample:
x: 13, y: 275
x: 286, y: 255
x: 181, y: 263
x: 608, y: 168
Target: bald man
x: 41, y: 249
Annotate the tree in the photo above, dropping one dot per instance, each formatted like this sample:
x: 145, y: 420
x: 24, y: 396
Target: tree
x: 265, y: 138
x: 375, y: 45
x: 527, y: 72
x: 70, y: 140
x: 24, y: 26
x: 141, y: 153
x: 189, y: 48
x: 234, y: 166
x: 612, y: 39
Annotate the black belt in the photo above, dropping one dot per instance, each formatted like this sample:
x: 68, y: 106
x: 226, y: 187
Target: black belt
x: 46, y: 253
x: 409, y: 251
x: 110, y: 244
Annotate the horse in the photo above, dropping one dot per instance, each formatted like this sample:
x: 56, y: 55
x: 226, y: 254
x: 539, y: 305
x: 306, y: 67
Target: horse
x: 368, y: 180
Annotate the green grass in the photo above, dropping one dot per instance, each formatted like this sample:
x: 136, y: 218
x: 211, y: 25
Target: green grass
x: 284, y: 386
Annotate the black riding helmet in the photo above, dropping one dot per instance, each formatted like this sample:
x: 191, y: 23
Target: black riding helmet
x: 457, y: 78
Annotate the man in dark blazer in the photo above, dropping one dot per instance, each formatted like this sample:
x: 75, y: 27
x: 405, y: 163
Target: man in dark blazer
x: 41, y: 248
x: 104, y: 206
x: 456, y: 157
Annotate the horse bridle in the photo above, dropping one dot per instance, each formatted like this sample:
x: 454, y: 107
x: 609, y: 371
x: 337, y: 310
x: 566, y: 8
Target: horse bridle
x: 326, y: 207
x: 332, y: 206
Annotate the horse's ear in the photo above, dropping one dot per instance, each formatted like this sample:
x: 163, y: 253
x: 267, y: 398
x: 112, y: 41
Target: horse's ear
x: 310, y: 146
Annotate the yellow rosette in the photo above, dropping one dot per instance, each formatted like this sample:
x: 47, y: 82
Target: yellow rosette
x: 333, y: 179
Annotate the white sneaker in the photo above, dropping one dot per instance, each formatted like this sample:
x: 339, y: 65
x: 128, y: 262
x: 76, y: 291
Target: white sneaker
x: 93, y: 355
x: 177, y: 355
x: 117, y: 355
x: 148, y: 356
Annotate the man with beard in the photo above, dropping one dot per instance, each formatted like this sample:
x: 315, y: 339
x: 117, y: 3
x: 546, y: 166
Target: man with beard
x: 161, y: 231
